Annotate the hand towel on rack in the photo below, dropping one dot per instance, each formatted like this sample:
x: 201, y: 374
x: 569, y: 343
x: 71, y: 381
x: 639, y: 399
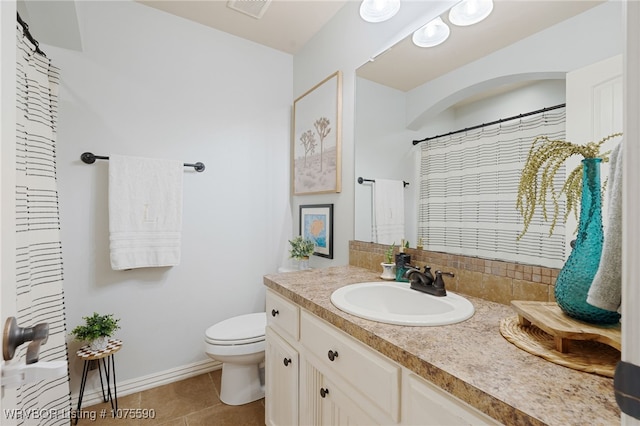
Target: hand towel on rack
x: 145, y: 212
x: 606, y: 289
x: 388, y: 211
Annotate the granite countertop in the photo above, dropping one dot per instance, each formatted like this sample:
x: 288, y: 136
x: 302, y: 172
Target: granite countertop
x: 470, y: 360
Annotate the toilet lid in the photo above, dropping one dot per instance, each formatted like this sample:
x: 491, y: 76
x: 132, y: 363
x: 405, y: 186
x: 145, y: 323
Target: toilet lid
x: 242, y: 329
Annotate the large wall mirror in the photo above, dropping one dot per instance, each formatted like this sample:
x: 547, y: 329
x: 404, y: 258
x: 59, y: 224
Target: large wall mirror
x: 513, y: 62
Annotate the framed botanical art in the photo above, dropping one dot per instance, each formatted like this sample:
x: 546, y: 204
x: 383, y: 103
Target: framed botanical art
x: 316, y: 153
x: 316, y: 223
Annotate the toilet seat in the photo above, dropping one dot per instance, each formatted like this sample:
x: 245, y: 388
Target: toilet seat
x: 240, y: 330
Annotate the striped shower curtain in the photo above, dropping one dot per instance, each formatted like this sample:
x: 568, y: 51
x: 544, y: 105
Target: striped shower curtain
x: 39, y: 277
x: 468, y: 190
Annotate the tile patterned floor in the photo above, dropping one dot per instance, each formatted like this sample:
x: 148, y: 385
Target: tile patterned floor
x: 189, y: 402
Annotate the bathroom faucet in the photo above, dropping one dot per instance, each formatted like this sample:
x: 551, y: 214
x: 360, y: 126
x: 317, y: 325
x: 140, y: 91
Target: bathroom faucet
x: 426, y: 283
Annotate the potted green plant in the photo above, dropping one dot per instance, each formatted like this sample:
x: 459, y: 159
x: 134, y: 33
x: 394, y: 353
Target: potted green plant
x: 301, y: 249
x: 96, y: 330
x: 388, y: 264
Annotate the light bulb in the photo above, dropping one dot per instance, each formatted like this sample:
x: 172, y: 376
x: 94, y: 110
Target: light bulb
x: 469, y: 12
x: 378, y: 10
x: 431, y: 34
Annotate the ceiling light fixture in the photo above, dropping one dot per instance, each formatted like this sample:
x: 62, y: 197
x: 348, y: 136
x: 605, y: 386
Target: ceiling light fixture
x: 469, y: 12
x: 431, y: 34
x: 378, y: 10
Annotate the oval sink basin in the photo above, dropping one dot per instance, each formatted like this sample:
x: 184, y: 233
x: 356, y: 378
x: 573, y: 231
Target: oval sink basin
x: 396, y: 303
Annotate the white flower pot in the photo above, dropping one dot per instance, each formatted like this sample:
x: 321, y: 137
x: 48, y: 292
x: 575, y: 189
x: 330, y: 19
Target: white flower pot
x: 99, y: 344
x: 387, y: 271
x: 303, y: 263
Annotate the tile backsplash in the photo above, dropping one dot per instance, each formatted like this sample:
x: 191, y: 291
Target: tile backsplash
x: 494, y: 280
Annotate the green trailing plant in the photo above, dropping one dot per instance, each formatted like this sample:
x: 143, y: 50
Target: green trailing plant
x: 301, y: 247
x: 545, y: 158
x: 388, y: 254
x: 96, y: 326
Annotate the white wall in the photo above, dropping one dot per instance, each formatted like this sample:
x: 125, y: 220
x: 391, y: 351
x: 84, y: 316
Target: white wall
x: 154, y: 85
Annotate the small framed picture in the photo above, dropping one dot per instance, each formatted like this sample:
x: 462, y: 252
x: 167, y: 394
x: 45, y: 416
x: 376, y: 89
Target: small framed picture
x: 316, y: 223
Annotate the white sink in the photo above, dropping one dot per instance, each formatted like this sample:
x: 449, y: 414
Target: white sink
x: 397, y: 303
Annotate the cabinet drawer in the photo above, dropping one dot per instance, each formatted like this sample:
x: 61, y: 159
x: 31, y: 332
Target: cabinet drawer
x: 283, y: 315
x: 374, y: 376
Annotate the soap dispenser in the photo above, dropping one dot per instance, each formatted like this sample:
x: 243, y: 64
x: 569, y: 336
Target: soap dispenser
x: 402, y: 260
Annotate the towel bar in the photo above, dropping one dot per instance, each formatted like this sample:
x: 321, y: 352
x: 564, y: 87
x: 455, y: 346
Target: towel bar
x: 360, y: 180
x: 90, y: 158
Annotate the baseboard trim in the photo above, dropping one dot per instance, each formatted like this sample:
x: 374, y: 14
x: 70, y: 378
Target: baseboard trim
x: 139, y: 384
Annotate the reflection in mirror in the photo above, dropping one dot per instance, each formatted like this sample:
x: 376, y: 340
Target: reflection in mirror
x: 477, y: 76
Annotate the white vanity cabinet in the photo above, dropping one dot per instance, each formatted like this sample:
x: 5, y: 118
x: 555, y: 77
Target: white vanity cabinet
x: 334, y: 379
x: 282, y: 362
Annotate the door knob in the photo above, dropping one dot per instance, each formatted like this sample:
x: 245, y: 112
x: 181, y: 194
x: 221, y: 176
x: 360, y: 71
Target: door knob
x: 14, y: 336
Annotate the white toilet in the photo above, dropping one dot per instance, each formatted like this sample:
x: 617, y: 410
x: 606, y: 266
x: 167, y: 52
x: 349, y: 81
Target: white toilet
x: 239, y: 344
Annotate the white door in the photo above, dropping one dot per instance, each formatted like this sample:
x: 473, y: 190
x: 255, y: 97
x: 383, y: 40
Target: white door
x: 7, y: 179
x: 594, y: 111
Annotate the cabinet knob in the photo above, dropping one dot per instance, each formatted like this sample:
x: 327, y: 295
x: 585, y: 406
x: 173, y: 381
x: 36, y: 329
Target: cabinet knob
x: 287, y: 361
x: 332, y: 355
x: 324, y: 392
x: 274, y: 312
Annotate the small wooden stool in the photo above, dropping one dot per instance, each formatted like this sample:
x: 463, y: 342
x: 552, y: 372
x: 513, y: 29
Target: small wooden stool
x: 89, y: 355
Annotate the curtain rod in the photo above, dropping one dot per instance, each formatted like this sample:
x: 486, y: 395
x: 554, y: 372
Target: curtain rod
x: 502, y: 120
x: 25, y: 28
x: 361, y: 180
x: 89, y: 158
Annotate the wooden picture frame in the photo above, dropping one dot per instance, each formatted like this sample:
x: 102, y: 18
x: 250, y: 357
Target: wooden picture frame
x: 316, y: 223
x: 316, y: 139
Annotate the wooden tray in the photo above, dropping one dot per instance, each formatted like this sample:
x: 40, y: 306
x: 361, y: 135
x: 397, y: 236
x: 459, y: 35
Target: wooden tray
x: 550, y: 318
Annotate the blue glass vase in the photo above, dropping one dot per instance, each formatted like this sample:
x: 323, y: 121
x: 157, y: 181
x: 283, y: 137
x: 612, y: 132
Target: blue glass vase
x: 576, y: 276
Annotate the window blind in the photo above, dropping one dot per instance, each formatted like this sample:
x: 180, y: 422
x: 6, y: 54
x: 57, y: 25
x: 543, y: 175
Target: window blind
x: 468, y: 189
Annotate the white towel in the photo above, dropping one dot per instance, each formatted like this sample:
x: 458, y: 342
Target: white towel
x: 606, y: 289
x: 388, y: 211
x: 145, y: 212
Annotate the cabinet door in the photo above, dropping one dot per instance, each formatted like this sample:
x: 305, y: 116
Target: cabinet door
x: 281, y: 381
x: 337, y: 408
